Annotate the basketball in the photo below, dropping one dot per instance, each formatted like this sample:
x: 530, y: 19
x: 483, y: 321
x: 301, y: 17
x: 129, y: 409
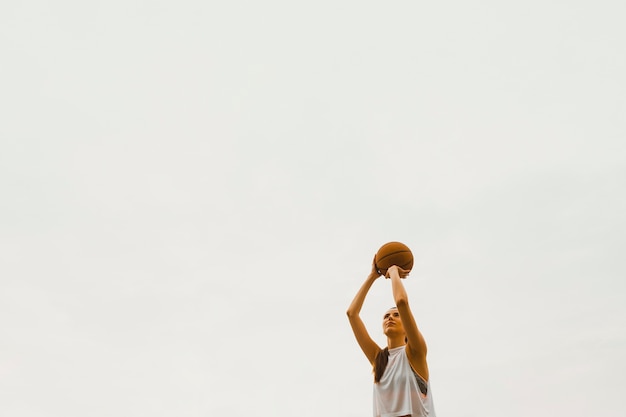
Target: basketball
x: 393, y: 253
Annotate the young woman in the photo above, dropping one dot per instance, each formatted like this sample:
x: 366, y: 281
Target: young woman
x: 401, y: 378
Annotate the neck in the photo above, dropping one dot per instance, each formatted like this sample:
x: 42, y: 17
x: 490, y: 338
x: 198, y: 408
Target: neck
x: 394, y: 342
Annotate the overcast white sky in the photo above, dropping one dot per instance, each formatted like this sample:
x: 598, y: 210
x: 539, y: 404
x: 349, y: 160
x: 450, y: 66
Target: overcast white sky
x: 192, y: 193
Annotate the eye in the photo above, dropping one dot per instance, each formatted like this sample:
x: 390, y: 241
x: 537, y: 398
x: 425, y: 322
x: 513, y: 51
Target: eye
x: 386, y: 315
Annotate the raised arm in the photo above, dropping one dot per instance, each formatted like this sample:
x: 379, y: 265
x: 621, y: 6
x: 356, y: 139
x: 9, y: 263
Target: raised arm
x: 416, y: 345
x: 367, y: 344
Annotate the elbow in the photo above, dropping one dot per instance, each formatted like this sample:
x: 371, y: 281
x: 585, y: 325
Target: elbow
x: 401, y: 301
x: 351, y: 313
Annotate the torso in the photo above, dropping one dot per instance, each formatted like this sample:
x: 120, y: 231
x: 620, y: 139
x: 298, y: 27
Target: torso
x: 398, y: 393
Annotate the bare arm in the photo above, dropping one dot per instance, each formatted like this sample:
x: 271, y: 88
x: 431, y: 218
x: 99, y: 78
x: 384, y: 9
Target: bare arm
x: 416, y: 345
x: 367, y: 344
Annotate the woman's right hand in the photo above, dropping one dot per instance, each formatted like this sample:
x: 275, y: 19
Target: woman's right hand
x: 374, y: 272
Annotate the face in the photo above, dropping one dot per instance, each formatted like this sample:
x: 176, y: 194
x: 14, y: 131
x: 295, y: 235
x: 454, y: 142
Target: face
x: 392, y: 322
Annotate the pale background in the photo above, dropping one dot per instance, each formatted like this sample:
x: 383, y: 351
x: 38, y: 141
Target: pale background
x: 192, y: 192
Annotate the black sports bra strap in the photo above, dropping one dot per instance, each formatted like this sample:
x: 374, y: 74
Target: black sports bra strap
x: 420, y: 383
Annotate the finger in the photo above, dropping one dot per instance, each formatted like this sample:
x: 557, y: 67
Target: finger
x: 374, y: 267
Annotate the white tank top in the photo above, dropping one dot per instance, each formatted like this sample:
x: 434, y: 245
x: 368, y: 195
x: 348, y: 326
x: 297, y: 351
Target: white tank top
x: 398, y: 393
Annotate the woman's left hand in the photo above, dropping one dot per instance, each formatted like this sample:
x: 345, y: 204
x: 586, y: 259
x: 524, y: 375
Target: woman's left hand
x: 395, y: 269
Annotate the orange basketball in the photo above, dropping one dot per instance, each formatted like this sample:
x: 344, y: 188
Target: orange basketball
x: 393, y: 253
